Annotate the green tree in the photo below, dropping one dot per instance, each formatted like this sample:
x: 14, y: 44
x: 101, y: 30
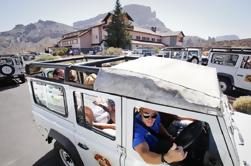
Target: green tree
x: 118, y: 36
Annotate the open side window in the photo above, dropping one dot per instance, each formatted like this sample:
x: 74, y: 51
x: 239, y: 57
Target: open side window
x: 160, y: 130
x: 97, y: 113
x: 246, y: 62
x: 224, y: 59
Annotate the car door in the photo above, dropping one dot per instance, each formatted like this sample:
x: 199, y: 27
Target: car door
x: 243, y: 73
x: 216, y: 144
x: 97, y: 146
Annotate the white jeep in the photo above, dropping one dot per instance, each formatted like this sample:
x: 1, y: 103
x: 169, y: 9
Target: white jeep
x: 12, y: 66
x: 233, y: 67
x: 190, y: 54
x: 94, y: 124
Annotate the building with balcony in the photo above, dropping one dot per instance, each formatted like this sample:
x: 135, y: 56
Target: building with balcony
x: 93, y: 38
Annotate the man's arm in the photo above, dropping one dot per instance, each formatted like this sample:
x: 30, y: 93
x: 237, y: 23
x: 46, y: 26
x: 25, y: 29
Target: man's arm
x: 173, y: 155
x: 147, y: 155
x: 105, y: 125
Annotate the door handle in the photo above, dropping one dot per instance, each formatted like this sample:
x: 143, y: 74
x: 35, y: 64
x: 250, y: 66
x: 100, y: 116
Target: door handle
x: 240, y: 75
x: 83, y: 146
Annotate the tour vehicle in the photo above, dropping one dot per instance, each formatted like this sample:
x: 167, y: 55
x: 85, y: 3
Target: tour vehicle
x: 75, y: 111
x: 190, y: 54
x: 11, y: 67
x: 233, y: 67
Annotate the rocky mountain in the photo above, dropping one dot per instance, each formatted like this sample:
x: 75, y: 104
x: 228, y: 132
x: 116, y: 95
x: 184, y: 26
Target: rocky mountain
x: 212, y: 42
x: 227, y: 37
x: 143, y: 17
x: 39, y: 35
x: 233, y: 43
x: 89, y: 22
x: 32, y: 37
x: 193, y: 41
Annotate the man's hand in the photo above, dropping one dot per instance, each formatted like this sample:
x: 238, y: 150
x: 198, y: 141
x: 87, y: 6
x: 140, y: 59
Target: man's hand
x: 175, y: 154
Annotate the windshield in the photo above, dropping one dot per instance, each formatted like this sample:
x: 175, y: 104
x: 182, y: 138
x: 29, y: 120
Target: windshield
x: 193, y: 53
x: 6, y: 61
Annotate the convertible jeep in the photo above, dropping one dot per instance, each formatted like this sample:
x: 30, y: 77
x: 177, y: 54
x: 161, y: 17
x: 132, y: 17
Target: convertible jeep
x: 11, y: 67
x: 233, y: 67
x: 90, y: 112
x: 189, y: 54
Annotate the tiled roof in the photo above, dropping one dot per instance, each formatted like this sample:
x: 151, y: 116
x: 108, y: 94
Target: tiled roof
x: 139, y: 29
x: 175, y: 33
x: 143, y: 30
x: 146, y: 43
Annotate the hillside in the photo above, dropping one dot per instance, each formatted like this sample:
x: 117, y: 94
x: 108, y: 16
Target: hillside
x: 234, y: 43
x: 143, y: 16
x: 32, y: 37
x: 39, y: 35
x: 212, y: 42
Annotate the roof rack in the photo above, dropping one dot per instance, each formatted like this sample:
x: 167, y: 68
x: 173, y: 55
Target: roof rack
x: 92, y: 64
x: 241, y: 50
x: 9, y: 55
x: 174, y: 48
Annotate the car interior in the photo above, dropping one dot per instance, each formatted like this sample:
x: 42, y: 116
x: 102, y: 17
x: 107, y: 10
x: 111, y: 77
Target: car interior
x: 195, y: 137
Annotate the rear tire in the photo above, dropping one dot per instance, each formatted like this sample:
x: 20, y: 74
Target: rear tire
x: 7, y: 70
x: 225, y: 85
x: 194, y: 60
x: 67, y: 158
x: 22, y: 78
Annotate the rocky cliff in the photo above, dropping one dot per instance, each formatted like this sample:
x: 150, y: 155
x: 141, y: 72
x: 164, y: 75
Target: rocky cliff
x: 143, y: 17
x: 32, y: 37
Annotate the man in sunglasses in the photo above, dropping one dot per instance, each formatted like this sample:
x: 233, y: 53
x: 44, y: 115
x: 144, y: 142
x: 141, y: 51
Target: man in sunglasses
x: 145, y: 141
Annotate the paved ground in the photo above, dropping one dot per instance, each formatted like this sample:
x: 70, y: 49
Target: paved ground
x: 20, y: 142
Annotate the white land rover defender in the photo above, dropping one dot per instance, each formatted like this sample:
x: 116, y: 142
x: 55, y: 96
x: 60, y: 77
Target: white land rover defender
x: 233, y: 67
x: 90, y: 112
x: 190, y: 54
x: 11, y: 67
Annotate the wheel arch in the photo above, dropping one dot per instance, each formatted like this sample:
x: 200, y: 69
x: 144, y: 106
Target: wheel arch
x: 64, y: 141
x: 226, y: 76
x: 193, y: 57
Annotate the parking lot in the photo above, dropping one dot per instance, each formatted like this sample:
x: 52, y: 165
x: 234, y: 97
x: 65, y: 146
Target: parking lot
x: 21, y: 144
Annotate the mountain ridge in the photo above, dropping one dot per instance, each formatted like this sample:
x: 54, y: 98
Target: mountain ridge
x: 42, y: 34
x: 143, y: 17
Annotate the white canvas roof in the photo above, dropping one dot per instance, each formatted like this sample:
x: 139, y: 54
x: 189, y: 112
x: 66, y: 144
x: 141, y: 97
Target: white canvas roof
x: 164, y: 81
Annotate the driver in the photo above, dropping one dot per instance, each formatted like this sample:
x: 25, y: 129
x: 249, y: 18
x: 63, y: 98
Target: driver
x: 144, y: 141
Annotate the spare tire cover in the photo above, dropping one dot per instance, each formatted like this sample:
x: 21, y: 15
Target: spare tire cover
x: 7, y: 70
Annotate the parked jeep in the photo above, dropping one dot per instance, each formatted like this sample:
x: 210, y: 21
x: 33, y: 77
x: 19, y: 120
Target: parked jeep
x: 233, y: 67
x: 93, y: 119
x: 11, y: 67
x: 190, y: 54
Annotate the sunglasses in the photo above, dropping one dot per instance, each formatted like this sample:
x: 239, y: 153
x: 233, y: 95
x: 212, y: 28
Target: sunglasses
x: 147, y: 116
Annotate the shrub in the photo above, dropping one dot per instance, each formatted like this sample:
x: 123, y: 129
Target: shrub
x: 112, y: 51
x: 60, y: 51
x: 46, y: 58
x: 243, y: 104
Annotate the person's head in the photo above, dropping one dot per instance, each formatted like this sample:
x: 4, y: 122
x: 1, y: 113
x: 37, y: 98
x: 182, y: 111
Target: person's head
x: 58, y: 74
x: 148, y: 116
x: 89, y: 117
x: 72, y: 75
x: 90, y: 79
x: 110, y: 105
x: 249, y: 61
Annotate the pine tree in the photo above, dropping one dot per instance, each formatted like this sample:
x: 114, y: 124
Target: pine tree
x: 118, y: 36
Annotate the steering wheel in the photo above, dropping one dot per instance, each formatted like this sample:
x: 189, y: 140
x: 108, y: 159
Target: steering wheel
x: 189, y: 134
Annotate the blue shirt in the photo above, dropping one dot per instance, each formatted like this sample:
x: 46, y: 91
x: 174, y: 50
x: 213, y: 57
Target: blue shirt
x: 143, y: 135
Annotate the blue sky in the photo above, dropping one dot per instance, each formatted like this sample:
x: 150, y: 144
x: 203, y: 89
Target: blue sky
x: 194, y: 17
